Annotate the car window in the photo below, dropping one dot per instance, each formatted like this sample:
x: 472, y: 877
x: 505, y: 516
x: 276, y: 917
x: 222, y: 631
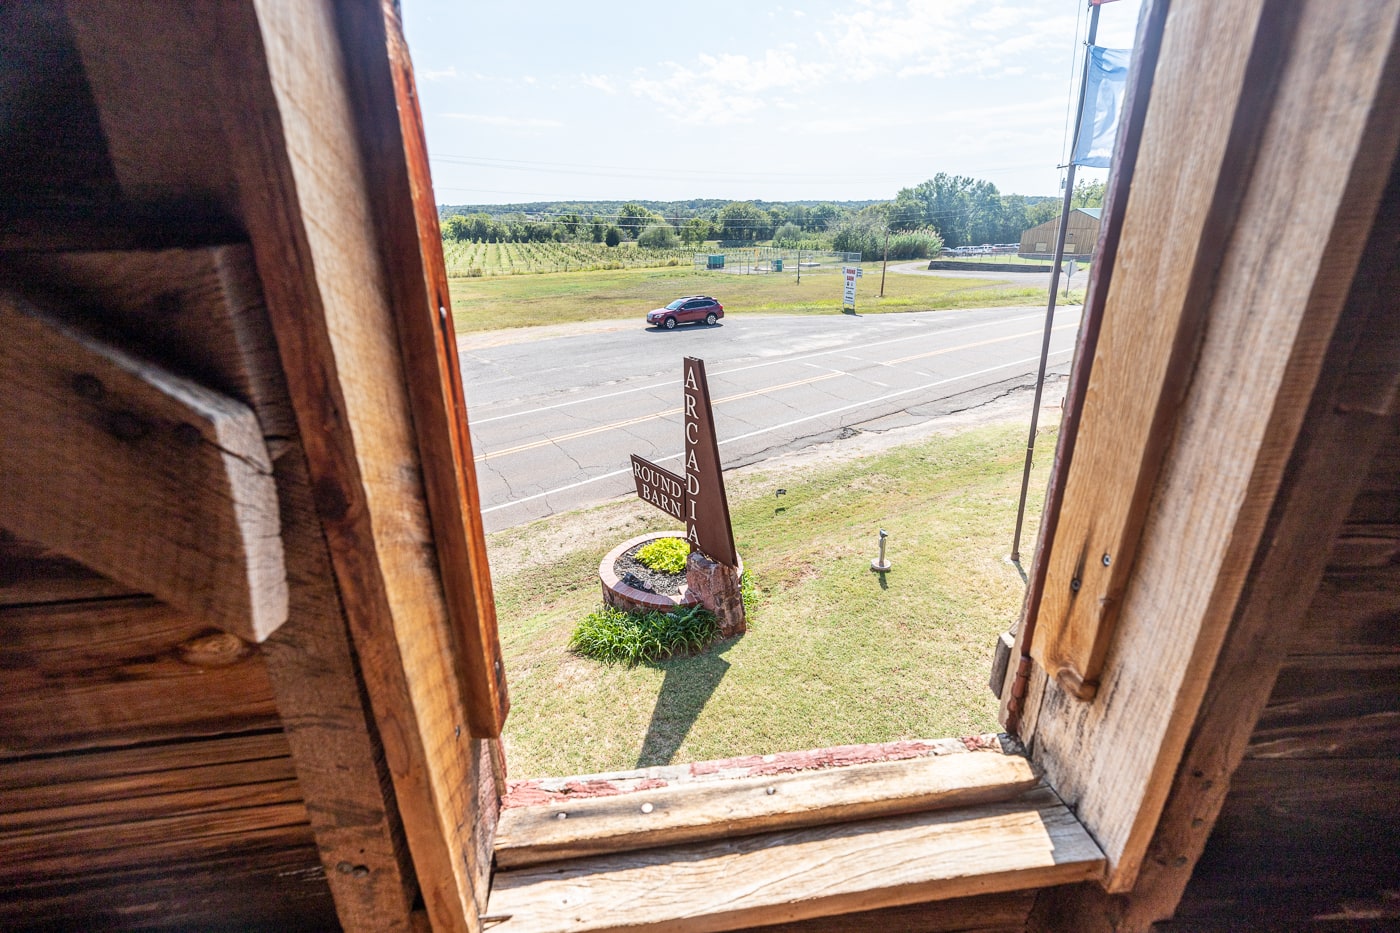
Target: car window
x: 675, y: 305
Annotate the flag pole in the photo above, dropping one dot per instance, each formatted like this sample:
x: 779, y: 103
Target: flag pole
x: 1054, y: 284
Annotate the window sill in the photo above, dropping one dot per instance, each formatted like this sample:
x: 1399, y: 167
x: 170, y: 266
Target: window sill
x: 733, y: 854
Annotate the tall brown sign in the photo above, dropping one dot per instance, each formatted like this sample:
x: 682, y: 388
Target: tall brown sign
x: 697, y: 497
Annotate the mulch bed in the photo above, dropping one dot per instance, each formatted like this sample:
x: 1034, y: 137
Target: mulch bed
x: 637, y: 574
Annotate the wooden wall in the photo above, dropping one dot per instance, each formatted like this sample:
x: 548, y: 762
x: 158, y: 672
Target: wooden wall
x: 204, y: 188
x: 145, y: 780
x: 1310, y: 830
x: 1080, y: 238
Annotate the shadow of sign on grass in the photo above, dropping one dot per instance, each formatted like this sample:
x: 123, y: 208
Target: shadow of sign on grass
x: 687, y: 687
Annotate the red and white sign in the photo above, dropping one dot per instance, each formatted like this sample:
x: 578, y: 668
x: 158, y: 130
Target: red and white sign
x: 848, y: 300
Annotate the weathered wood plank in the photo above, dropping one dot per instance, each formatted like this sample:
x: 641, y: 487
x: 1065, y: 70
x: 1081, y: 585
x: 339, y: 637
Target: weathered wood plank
x: 698, y: 812
x: 1364, y: 546
x: 110, y: 774
x: 1354, y: 612
x: 198, y: 311
x: 123, y: 671
x: 1377, y: 504
x: 396, y: 154
x: 1331, y: 706
x: 240, y: 788
x: 1326, y: 146
x: 990, y: 913
x: 1301, y: 844
x: 782, y: 877
x: 201, y: 312
x: 1328, y: 465
x: 141, y: 474
x: 237, y: 890
x: 31, y: 573
x: 285, y: 158
x: 1141, y: 361
x: 337, y: 338
x: 1319, y: 802
x: 1020, y: 689
x: 169, y: 839
x: 339, y: 757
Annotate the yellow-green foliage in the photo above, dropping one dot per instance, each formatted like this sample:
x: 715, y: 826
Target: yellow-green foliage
x: 665, y: 554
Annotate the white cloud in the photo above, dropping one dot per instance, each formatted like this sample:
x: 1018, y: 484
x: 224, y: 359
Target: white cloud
x: 728, y: 88
x: 871, y: 40
x: 599, y: 82
x: 437, y: 74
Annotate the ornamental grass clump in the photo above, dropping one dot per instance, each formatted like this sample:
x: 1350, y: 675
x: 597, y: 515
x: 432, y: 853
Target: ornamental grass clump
x: 665, y: 554
x: 617, y: 637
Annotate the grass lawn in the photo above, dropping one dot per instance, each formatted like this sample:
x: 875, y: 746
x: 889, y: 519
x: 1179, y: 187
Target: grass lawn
x: 831, y: 656
x: 498, y: 302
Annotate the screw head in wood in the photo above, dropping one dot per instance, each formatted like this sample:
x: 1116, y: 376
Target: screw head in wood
x: 1074, y: 585
x: 1107, y: 560
x: 647, y: 808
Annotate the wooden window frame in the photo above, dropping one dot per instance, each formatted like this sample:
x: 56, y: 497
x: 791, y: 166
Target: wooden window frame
x: 1170, y: 466
x: 304, y: 118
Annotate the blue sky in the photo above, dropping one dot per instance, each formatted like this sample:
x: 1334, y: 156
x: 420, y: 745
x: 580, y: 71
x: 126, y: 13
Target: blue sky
x: 534, y: 101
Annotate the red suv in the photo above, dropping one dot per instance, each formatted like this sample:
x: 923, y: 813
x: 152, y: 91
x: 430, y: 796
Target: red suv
x: 685, y: 310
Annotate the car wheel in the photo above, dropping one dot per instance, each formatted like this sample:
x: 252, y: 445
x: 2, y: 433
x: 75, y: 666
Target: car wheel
x: 710, y: 319
x: 670, y: 323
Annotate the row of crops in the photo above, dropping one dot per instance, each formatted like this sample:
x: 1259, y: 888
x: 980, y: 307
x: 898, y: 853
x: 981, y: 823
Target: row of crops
x: 470, y: 259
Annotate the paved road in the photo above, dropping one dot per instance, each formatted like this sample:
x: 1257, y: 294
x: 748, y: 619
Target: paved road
x: 553, y: 420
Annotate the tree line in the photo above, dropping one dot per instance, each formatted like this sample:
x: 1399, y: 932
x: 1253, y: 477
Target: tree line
x: 946, y: 210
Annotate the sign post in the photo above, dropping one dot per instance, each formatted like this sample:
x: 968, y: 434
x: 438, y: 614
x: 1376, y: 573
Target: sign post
x: 697, y: 498
x: 848, y: 300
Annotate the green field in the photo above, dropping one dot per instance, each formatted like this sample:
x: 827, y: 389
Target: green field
x: 832, y: 656
x: 498, y: 302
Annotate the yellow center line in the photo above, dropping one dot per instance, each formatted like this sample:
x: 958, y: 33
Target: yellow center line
x: 600, y: 429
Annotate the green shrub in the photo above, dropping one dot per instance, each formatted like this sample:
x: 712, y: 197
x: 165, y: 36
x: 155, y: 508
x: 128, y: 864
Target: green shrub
x: 665, y: 554
x: 616, y: 637
x: 658, y: 236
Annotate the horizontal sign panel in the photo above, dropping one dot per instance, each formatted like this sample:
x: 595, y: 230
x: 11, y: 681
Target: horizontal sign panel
x: 660, y: 487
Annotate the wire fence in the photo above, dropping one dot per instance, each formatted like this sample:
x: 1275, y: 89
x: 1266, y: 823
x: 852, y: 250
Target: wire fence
x: 762, y: 260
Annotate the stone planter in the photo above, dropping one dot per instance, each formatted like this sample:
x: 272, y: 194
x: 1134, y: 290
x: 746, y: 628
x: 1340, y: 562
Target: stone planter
x: 720, y: 587
x: 630, y: 599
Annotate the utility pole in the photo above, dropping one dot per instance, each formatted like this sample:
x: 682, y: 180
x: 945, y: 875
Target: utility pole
x: 885, y: 262
x: 799, y: 265
x: 1054, y: 284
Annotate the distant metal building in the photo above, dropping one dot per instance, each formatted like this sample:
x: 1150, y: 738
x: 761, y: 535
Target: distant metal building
x: 1039, y: 242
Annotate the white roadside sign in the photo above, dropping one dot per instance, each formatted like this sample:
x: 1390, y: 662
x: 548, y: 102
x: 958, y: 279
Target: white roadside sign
x: 849, y: 299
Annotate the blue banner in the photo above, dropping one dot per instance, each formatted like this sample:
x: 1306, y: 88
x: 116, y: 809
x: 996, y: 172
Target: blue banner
x: 1103, y: 99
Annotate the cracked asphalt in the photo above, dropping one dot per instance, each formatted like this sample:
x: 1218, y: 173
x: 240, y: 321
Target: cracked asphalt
x: 553, y: 418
